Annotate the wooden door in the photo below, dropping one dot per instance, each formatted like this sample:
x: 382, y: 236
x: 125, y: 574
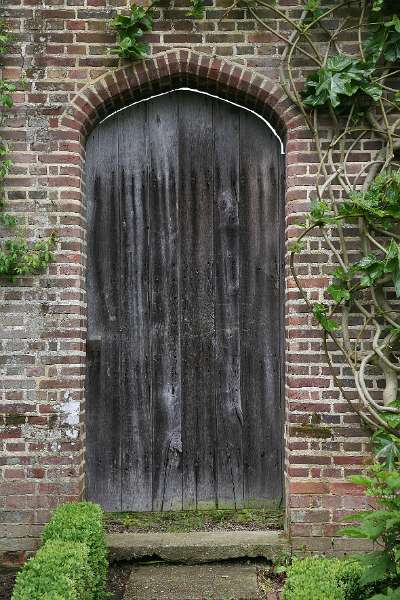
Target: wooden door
x: 184, y: 308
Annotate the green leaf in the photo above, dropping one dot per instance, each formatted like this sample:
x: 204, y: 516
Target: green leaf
x: 353, y: 531
x: 8, y: 220
x: 360, y: 480
x: 378, y: 566
x: 197, y: 9
x: 130, y: 29
x: 338, y: 291
x: 387, y: 447
x: 390, y: 594
x: 384, y: 39
x: 341, y: 77
x: 320, y: 312
x: 318, y: 212
x: 372, y: 89
x: 377, y: 5
x: 393, y: 23
x: 296, y: 247
x: 314, y: 7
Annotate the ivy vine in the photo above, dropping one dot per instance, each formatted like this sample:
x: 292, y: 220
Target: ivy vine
x: 131, y: 28
x: 356, y: 94
x: 17, y: 255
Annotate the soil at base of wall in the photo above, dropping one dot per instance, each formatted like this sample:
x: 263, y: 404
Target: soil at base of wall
x: 118, y: 576
x: 117, y: 579
x: 7, y: 579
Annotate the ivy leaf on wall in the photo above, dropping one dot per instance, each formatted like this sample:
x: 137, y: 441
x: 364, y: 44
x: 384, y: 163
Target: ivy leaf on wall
x: 197, y: 9
x: 338, y: 292
x: 314, y: 7
x: 320, y: 312
x: 130, y: 28
x: 392, y: 265
x: 388, y: 448
x: 321, y: 213
x: 379, y: 205
x: 296, y: 247
x: 391, y: 51
x: 384, y: 40
x: 371, y: 268
x: 377, y: 5
x: 341, y: 76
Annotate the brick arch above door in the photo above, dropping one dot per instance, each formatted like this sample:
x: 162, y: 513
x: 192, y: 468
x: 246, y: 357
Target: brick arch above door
x: 166, y: 71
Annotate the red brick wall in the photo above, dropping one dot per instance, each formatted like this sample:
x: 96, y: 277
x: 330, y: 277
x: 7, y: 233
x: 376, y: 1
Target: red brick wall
x: 71, y: 83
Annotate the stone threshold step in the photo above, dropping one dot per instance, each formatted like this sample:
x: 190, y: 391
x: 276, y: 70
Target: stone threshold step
x: 197, y: 546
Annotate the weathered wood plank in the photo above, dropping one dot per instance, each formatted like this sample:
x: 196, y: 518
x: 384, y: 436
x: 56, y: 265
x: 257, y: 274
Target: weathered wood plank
x: 164, y: 304
x: 259, y: 312
x: 197, y: 300
x: 103, y: 393
x: 227, y: 342
x: 136, y: 413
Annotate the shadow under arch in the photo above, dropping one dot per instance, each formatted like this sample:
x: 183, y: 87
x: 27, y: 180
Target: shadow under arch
x: 196, y: 91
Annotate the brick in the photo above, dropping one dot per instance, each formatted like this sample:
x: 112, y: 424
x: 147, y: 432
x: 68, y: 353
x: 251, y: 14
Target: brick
x: 309, y: 487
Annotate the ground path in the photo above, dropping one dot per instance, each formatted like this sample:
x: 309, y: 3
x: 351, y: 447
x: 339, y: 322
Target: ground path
x: 231, y: 581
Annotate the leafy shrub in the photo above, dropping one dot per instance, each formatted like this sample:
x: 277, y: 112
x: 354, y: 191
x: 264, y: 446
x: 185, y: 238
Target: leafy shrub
x: 17, y: 257
x: 82, y: 522
x: 323, y: 579
x: 59, y: 571
x: 389, y: 595
x: 382, y: 526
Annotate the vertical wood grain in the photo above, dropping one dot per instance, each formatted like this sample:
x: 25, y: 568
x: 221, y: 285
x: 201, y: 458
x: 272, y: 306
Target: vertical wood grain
x: 165, y: 304
x: 259, y: 312
x: 136, y: 409
x: 227, y: 332
x: 103, y: 401
x: 197, y: 300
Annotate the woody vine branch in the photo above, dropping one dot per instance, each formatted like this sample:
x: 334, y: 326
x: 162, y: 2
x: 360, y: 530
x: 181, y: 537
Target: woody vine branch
x: 356, y: 96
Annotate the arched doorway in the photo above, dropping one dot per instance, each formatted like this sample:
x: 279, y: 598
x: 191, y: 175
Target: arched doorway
x: 184, y: 307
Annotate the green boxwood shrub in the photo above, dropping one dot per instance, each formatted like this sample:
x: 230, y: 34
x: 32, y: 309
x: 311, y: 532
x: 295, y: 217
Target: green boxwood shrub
x: 323, y: 579
x: 82, y: 522
x: 58, y: 571
x: 388, y: 595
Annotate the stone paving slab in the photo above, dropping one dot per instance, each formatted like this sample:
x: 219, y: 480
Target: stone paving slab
x: 193, y: 582
x: 197, y: 546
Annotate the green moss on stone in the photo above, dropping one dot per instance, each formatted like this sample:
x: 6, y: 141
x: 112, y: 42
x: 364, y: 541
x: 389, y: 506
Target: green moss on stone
x: 12, y: 419
x: 197, y: 520
x: 308, y: 430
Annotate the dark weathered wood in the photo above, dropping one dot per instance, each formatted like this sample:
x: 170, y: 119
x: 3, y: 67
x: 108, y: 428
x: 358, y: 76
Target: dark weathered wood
x: 260, y: 312
x: 103, y: 466
x: 197, y: 300
x: 136, y: 412
x: 184, y: 308
x: 227, y: 340
x: 164, y: 304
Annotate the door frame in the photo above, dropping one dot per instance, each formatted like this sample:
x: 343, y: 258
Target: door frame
x: 115, y: 89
